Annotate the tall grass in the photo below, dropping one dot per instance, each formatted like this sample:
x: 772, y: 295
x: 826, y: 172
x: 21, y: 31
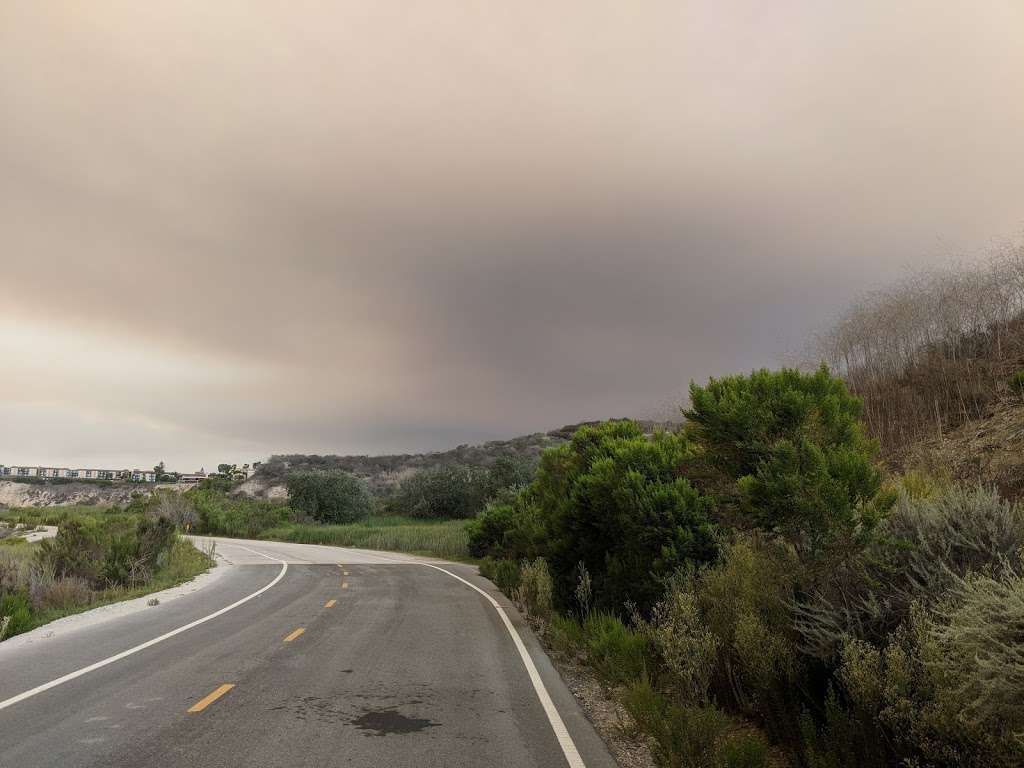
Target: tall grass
x: 446, y: 538
x: 58, y: 515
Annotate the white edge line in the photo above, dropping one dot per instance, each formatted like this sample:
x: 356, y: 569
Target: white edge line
x: 565, y: 741
x: 143, y: 646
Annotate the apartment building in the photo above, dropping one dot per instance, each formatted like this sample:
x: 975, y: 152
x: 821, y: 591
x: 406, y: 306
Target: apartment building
x: 135, y: 475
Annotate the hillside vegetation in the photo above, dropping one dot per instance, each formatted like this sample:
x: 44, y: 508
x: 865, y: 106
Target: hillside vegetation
x: 935, y: 351
x: 382, y: 474
x: 757, y: 582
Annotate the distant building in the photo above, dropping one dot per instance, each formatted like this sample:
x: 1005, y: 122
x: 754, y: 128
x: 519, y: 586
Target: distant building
x: 193, y: 478
x: 53, y: 473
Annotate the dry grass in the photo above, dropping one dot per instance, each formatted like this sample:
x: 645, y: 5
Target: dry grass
x: 934, y: 351
x: 987, y: 451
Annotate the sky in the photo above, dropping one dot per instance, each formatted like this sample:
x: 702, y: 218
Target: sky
x: 234, y: 229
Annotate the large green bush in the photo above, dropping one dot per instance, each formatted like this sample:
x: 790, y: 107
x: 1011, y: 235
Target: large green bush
x: 447, y: 492
x: 785, y: 451
x: 510, y: 527
x: 944, y: 690
x: 329, y: 497
x: 612, y: 500
x: 243, y: 517
x: 115, y: 554
x: 924, y: 546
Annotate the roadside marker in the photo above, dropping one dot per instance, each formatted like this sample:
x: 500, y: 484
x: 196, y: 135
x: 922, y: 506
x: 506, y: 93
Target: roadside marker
x: 294, y: 634
x: 330, y: 603
x: 207, y: 700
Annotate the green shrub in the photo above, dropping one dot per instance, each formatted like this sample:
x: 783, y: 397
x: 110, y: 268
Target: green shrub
x: 534, y: 591
x: 684, y: 737
x: 920, y: 485
x: 745, y: 602
x: 329, y: 497
x: 979, y: 662
x: 612, y: 499
x: 744, y: 751
x: 1017, y: 383
x: 14, y: 607
x: 509, y: 527
x: 944, y: 689
x: 619, y: 654
x: 786, y: 451
x: 926, y: 545
x: 508, y: 473
x: 686, y: 649
x: 131, y: 558
x: 565, y: 635
x: 236, y: 516
x: 78, y: 550
x: 487, y: 531
x: 447, y: 492
x: 504, y: 574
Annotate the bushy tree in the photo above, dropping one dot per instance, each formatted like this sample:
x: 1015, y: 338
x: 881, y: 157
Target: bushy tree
x: 509, y: 527
x: 785, y: 451
x: 508, y: 472
x: 329, y: 497
x: 451, y: 491
x: 612, y: 499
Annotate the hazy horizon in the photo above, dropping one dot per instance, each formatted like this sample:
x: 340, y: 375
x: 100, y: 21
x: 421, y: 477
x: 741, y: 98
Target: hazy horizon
x: 344, y: 228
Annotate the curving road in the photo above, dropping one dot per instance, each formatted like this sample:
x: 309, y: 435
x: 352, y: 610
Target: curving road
x: 295, y: 655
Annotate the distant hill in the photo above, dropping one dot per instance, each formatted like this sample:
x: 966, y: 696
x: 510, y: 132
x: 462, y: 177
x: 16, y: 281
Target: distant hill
x: 384, y: 472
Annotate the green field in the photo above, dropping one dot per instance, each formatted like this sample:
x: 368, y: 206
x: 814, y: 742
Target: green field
x: 443, y: 538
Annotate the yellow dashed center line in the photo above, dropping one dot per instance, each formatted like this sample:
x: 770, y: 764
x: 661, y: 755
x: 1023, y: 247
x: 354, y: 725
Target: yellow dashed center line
x: 330, y: 603
x: 207, y: 700
x: 294, y: 634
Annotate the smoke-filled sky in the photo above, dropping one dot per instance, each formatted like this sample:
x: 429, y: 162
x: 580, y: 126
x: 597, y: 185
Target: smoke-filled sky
x: 231, y: 229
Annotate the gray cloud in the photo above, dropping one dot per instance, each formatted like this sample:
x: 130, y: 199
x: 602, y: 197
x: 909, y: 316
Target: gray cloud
x: 350, y: 227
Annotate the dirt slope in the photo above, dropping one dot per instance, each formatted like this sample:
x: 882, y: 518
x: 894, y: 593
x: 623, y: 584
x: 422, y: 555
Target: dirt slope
x: 989, y: 450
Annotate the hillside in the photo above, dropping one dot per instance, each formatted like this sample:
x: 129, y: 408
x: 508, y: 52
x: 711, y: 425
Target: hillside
x: 988, y: 450
x: 17, y: 494
x: 384, y: 472
x: 933, y: 359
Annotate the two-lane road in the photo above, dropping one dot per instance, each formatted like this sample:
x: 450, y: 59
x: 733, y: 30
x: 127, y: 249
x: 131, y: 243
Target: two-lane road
x: 297, y: 655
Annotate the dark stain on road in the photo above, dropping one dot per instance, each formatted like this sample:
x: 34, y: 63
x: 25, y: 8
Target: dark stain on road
x: 385, y: 722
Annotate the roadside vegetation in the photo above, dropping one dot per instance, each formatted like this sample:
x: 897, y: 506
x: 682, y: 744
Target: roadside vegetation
x: 763, y: 584
x: 99, y: 556
x: 756, y: 590
x: 425, y: 514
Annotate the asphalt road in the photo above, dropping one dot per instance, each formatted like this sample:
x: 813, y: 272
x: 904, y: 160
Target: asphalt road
x: 345, y: 658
